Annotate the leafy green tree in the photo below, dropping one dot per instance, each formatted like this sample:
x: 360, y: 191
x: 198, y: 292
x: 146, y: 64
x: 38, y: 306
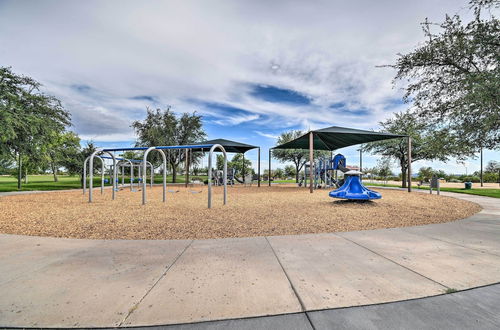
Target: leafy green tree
x: 289, y: 171
x: 492, y: 167
x: 6, y: 165
x: 240, y: 167
x: 454, y: 76
x: 425, y: 173
x: 384, y: 168
x: 28, y: 117
x: 163, y: 127
x: 428, y: 142
x: 299, y: 157
x: 76, y: 167
x: 219, y: 164
x: 62, y: 150
x: 278, y: 173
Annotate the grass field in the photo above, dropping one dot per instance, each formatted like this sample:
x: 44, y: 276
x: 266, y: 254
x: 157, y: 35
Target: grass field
x: 46, y: 182
x: 480, y: 192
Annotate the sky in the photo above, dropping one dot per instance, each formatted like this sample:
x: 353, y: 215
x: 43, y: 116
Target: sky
x: 252, y: 69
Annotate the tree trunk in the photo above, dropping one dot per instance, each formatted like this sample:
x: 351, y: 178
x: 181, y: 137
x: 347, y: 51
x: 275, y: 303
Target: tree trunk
x: 25, y: 175
x: 19, y: 171
x: 174, y: 173
x: 403, y: 178
x: 296, y: 173
x: 54, y: 172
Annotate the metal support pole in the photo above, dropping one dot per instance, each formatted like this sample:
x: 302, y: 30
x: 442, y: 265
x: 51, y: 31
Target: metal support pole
x: 243, y: 168
x: 269, y: 173
x: 123, y: 176
x: 131, y: 176
x: 360, y: 160
x: 187, y: 167
x: 481, y: 172
x: 102, y: 175
x: 311, y: 161
x: 151, y: 174
x: 258, y: 169
x: 85, y: 174
x: 409, y: 163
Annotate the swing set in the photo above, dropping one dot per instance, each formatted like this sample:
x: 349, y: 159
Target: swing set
x: 143, y: 164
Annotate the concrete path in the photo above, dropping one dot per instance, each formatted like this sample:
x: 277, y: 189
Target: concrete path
x: 50, y: 282
x: 472, y: 309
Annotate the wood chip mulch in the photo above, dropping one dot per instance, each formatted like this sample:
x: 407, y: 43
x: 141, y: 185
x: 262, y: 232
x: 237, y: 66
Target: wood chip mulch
x: 251, y: 211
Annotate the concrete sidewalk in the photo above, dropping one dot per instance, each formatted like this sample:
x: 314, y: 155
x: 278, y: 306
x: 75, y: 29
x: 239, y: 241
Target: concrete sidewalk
x: 472, y: 309
x: 51, y: 282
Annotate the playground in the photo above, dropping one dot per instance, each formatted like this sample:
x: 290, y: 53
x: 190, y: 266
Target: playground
x: 250, y: 211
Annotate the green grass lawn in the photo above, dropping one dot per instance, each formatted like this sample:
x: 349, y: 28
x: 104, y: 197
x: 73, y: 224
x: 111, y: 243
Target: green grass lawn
x: 480, y: 192
x: 46, y: 182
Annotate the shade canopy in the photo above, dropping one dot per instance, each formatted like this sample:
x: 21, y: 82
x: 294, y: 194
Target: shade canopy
x: 230, y: 146
x: 335, y: 137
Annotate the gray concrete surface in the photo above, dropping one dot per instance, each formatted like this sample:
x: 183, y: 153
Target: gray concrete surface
x: 449, y: 264
x: 278, y: 322
x: 72, y: 283
x: 472, y: 309
x: 50, y: 282
x: 219, y: 279
x: 329, y: 271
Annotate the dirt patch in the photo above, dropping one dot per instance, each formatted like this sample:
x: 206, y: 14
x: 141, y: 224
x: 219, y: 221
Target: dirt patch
x: 251, y: 211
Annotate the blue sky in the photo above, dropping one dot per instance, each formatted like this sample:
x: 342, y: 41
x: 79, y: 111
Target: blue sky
x: 252, y: 69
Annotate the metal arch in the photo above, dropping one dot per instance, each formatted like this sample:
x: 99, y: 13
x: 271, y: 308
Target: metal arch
x: 216, y: 146
x: 91, y: 174
x: 85, y: 174
x: 151, y: 174
x: 144, y: 167
x: 123, y: 160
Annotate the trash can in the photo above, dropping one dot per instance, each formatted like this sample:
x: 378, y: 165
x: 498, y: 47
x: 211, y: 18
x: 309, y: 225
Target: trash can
x: 468, y: 185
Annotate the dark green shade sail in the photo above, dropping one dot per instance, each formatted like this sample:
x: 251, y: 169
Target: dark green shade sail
x: 335, y: 137
x: 230, y: 146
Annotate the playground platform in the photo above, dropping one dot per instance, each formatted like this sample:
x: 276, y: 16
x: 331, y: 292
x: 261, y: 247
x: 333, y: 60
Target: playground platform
x: 55, y: 282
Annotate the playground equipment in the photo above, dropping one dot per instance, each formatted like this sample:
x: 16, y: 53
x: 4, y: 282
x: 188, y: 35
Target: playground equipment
x: 325, y: 172
x: 143, y: 167
x: 85, y: 174
x: 352, y: 188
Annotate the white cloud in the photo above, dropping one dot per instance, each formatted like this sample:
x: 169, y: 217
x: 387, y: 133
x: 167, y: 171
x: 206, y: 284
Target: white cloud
x: 180, y: 50
x: 267, y: 135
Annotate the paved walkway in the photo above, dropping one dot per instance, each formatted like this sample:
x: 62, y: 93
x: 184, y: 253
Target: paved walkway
x: 82, y: 283
x: 472, y: 309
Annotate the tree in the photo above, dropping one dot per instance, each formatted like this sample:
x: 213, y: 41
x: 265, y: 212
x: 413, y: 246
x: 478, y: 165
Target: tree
x: 62, y: 150
x: 219, y: 163
x: 163, y: 127
x: 278, y: 173
x: 77, y: 166
x: 492, y: 167
x: 384, y: 168
x: 299, y: 157
x: 454, y: 76
x: 240, y: 167
x: 28, y: 117
x: 425, y: 173
x: 289, y: 171
x: 429, y: 142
